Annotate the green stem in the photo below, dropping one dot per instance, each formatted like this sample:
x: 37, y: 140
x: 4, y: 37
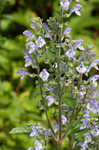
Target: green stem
x: 97, y: 143
x: 59, y: 87
x: 59, y: 145
x: 41, y: 93
x: 45, y: 142
x: 71, y: 141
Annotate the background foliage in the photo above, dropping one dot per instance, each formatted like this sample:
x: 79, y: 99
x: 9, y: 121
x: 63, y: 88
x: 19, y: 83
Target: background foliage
x: 20, y: 100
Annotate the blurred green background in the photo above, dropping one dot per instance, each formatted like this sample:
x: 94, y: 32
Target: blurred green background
x: 19, y: 100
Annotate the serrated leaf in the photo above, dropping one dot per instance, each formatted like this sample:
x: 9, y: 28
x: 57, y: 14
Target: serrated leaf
x: 22, y: 129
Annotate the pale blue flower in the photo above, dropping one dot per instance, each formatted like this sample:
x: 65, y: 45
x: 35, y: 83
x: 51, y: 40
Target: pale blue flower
x: 64, y: 119
x: 48, y: 132
x: 94, y: 92
x: 86, y: 114
x: 32, y: 47
x: 28, y: 59
x: 44, y: 75
x: 35, y: 132
x: 47, y: 34
x: 38, y: 145
x: 85, y: 124
x: 78, y: 45
x: 91, y: 57
x: 88, y: 138
x: 94, y: 64
x: 51, y: 100
x: 66, y: 33
x: 95, y: 131
x: 84, y: 146
x: 93, y: 79
x: 33, y: 27
x: 40, y: 42
x: 49, y: 88
x: 81, y: 68
x: 93, y: 105
x: 23, y: 73
x: 56, y: 127
x: 70, y: 52
x: 76, y: 10
x: 63, y: 66
x: 82, y: 92
x: 65, y: 4
x: 29, y: 35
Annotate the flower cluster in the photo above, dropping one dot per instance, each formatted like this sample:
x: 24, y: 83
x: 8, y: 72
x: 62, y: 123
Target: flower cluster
x: 70, y: 63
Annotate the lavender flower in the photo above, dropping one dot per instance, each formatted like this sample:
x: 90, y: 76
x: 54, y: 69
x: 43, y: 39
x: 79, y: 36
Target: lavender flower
x: 47, y: 34
x: 65, y: 4
x: 87, y: 115
x: 33, y: 27
x: 94, y: 64
x: 63, y: 66
x: 35, y: 132
x: 95, y: 131
x: 38, y: 145
x: 28, y: 59
x: 81, y: 68
x: 76, y: 10
x: 67, y: 32
x: 48, y: 132
x: 70, y: 52
x: 32, y: 47
x: 51, y: 100
x: 40, y: 42
x: 64, y: 119
x: 49, y: 88
x: 93, y: 79
x: 88, y: 138
x: 78, y: 45
x: 56, y: 127
x: 93, y: 105
x: 23, y: 73
x: 83, y: 145
x: 85, y: 124
x: 82, y: 92
x: 29, y: 35
x: 91, y: 57
x: 44, y: 75
x: 94, y: 92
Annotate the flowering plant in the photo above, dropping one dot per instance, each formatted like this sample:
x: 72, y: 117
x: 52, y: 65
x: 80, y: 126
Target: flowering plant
x: 65, y: 84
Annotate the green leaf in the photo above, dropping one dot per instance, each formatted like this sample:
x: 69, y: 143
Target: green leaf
x: 22, y: 129
x: 69, y: 101
x: 75, y: 127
